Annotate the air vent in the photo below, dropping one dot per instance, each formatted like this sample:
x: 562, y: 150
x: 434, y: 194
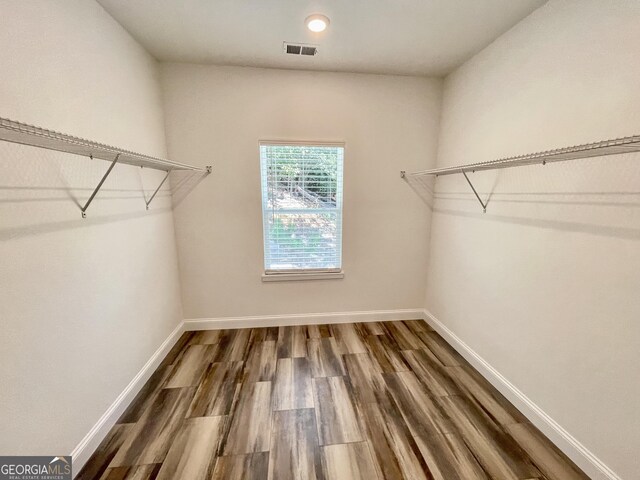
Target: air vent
x: 300, y: 49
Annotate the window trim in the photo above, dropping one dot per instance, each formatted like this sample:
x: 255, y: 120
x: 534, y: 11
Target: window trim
x: 306, y: 143
x: 303, y: 274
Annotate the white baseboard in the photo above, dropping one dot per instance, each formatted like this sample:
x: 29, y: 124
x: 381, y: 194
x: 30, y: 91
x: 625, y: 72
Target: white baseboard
x: 302, y: 319
x: 92, y: 440
x: 577, y: 452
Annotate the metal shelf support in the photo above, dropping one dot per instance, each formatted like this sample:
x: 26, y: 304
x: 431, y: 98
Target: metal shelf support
x: 484, y: 205
x: 148, y: 202
x: 97, y: 189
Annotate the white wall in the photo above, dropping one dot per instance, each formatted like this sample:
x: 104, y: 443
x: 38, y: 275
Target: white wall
x: 218, y: 114
x: 545, y: 285
x: 83, y: 303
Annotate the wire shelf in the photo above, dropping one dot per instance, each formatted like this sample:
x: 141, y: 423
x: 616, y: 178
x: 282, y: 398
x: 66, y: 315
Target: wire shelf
x: 597, y: 149
x: 22, y: 133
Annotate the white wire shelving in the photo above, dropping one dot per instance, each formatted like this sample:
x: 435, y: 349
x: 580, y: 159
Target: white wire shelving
x: 597, y: 149
x: 24, y: 134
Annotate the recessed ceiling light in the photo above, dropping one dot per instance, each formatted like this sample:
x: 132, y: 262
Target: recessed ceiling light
x: 317, y: 22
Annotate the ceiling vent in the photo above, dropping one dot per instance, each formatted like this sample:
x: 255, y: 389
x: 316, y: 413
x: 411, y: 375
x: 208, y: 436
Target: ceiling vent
x: 300, y: 49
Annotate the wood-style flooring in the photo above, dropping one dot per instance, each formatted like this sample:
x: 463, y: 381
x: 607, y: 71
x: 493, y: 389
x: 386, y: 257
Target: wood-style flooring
x: 386, y: 400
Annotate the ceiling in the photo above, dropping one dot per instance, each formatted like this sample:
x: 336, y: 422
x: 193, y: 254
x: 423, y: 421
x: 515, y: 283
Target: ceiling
x: 410, y: 37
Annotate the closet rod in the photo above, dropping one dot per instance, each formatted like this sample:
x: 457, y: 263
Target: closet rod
x: 22, y: 133
x: 597, y: 149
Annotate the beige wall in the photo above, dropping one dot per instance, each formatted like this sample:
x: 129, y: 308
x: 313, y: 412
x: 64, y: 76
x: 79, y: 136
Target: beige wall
x: 83, y: 303
x: 218, y: 114
x: 545, y: 285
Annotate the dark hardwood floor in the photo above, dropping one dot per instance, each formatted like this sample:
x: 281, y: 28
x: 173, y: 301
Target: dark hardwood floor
x: 388, y: 400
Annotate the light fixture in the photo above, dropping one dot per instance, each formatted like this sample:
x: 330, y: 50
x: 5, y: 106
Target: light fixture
x: 317, y: 22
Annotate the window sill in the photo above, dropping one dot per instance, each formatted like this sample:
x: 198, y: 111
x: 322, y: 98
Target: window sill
x: 289, y: 277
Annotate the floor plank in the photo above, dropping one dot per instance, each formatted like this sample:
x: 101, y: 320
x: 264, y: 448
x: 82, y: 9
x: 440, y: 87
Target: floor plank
x: 217, y: 390
x: 254, y: 466
x: 448, y: 457
x: 336, y: 417
x: 384, y: 352
x: 349, y: 461
x: 192, y: 455
x: 265, y: 334
x: 348, y: 339
x: 500, y: 457
x: 396, y: 453
x: 250, y: 427
x: 105, y: 452
x: 177, y: 350
x: 418, y: 326
x: 422, y: 414
x: 325, y: 357
x: 261, y: 362
x: 292, y: 342
x: 486, y: 396
x: 318, y: 331
x: 232, y: 347
x: 189, y: 369
x: 431, y: 373
x: 373, y: 328
x: 404, y: 337
x: 294, y: 446
x: 150, y: 439
x: 292, y: 388
x: 206, y: 337
x: 552, y: 463
x: 366, y: 381
x: 138, y: 472
x: 443, y: 351
x: 146, y: 395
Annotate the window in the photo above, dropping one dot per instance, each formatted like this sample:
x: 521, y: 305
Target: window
x: 301, y: 207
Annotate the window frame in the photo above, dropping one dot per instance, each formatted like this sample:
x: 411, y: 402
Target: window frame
x: 300, y: 274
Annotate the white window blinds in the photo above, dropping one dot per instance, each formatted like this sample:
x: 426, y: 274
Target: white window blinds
x: 302, y: 207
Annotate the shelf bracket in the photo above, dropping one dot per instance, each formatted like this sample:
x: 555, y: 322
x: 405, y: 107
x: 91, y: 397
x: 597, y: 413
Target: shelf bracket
x: 148, y: 202
x: 484, y: 205
x: 97, y: 189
